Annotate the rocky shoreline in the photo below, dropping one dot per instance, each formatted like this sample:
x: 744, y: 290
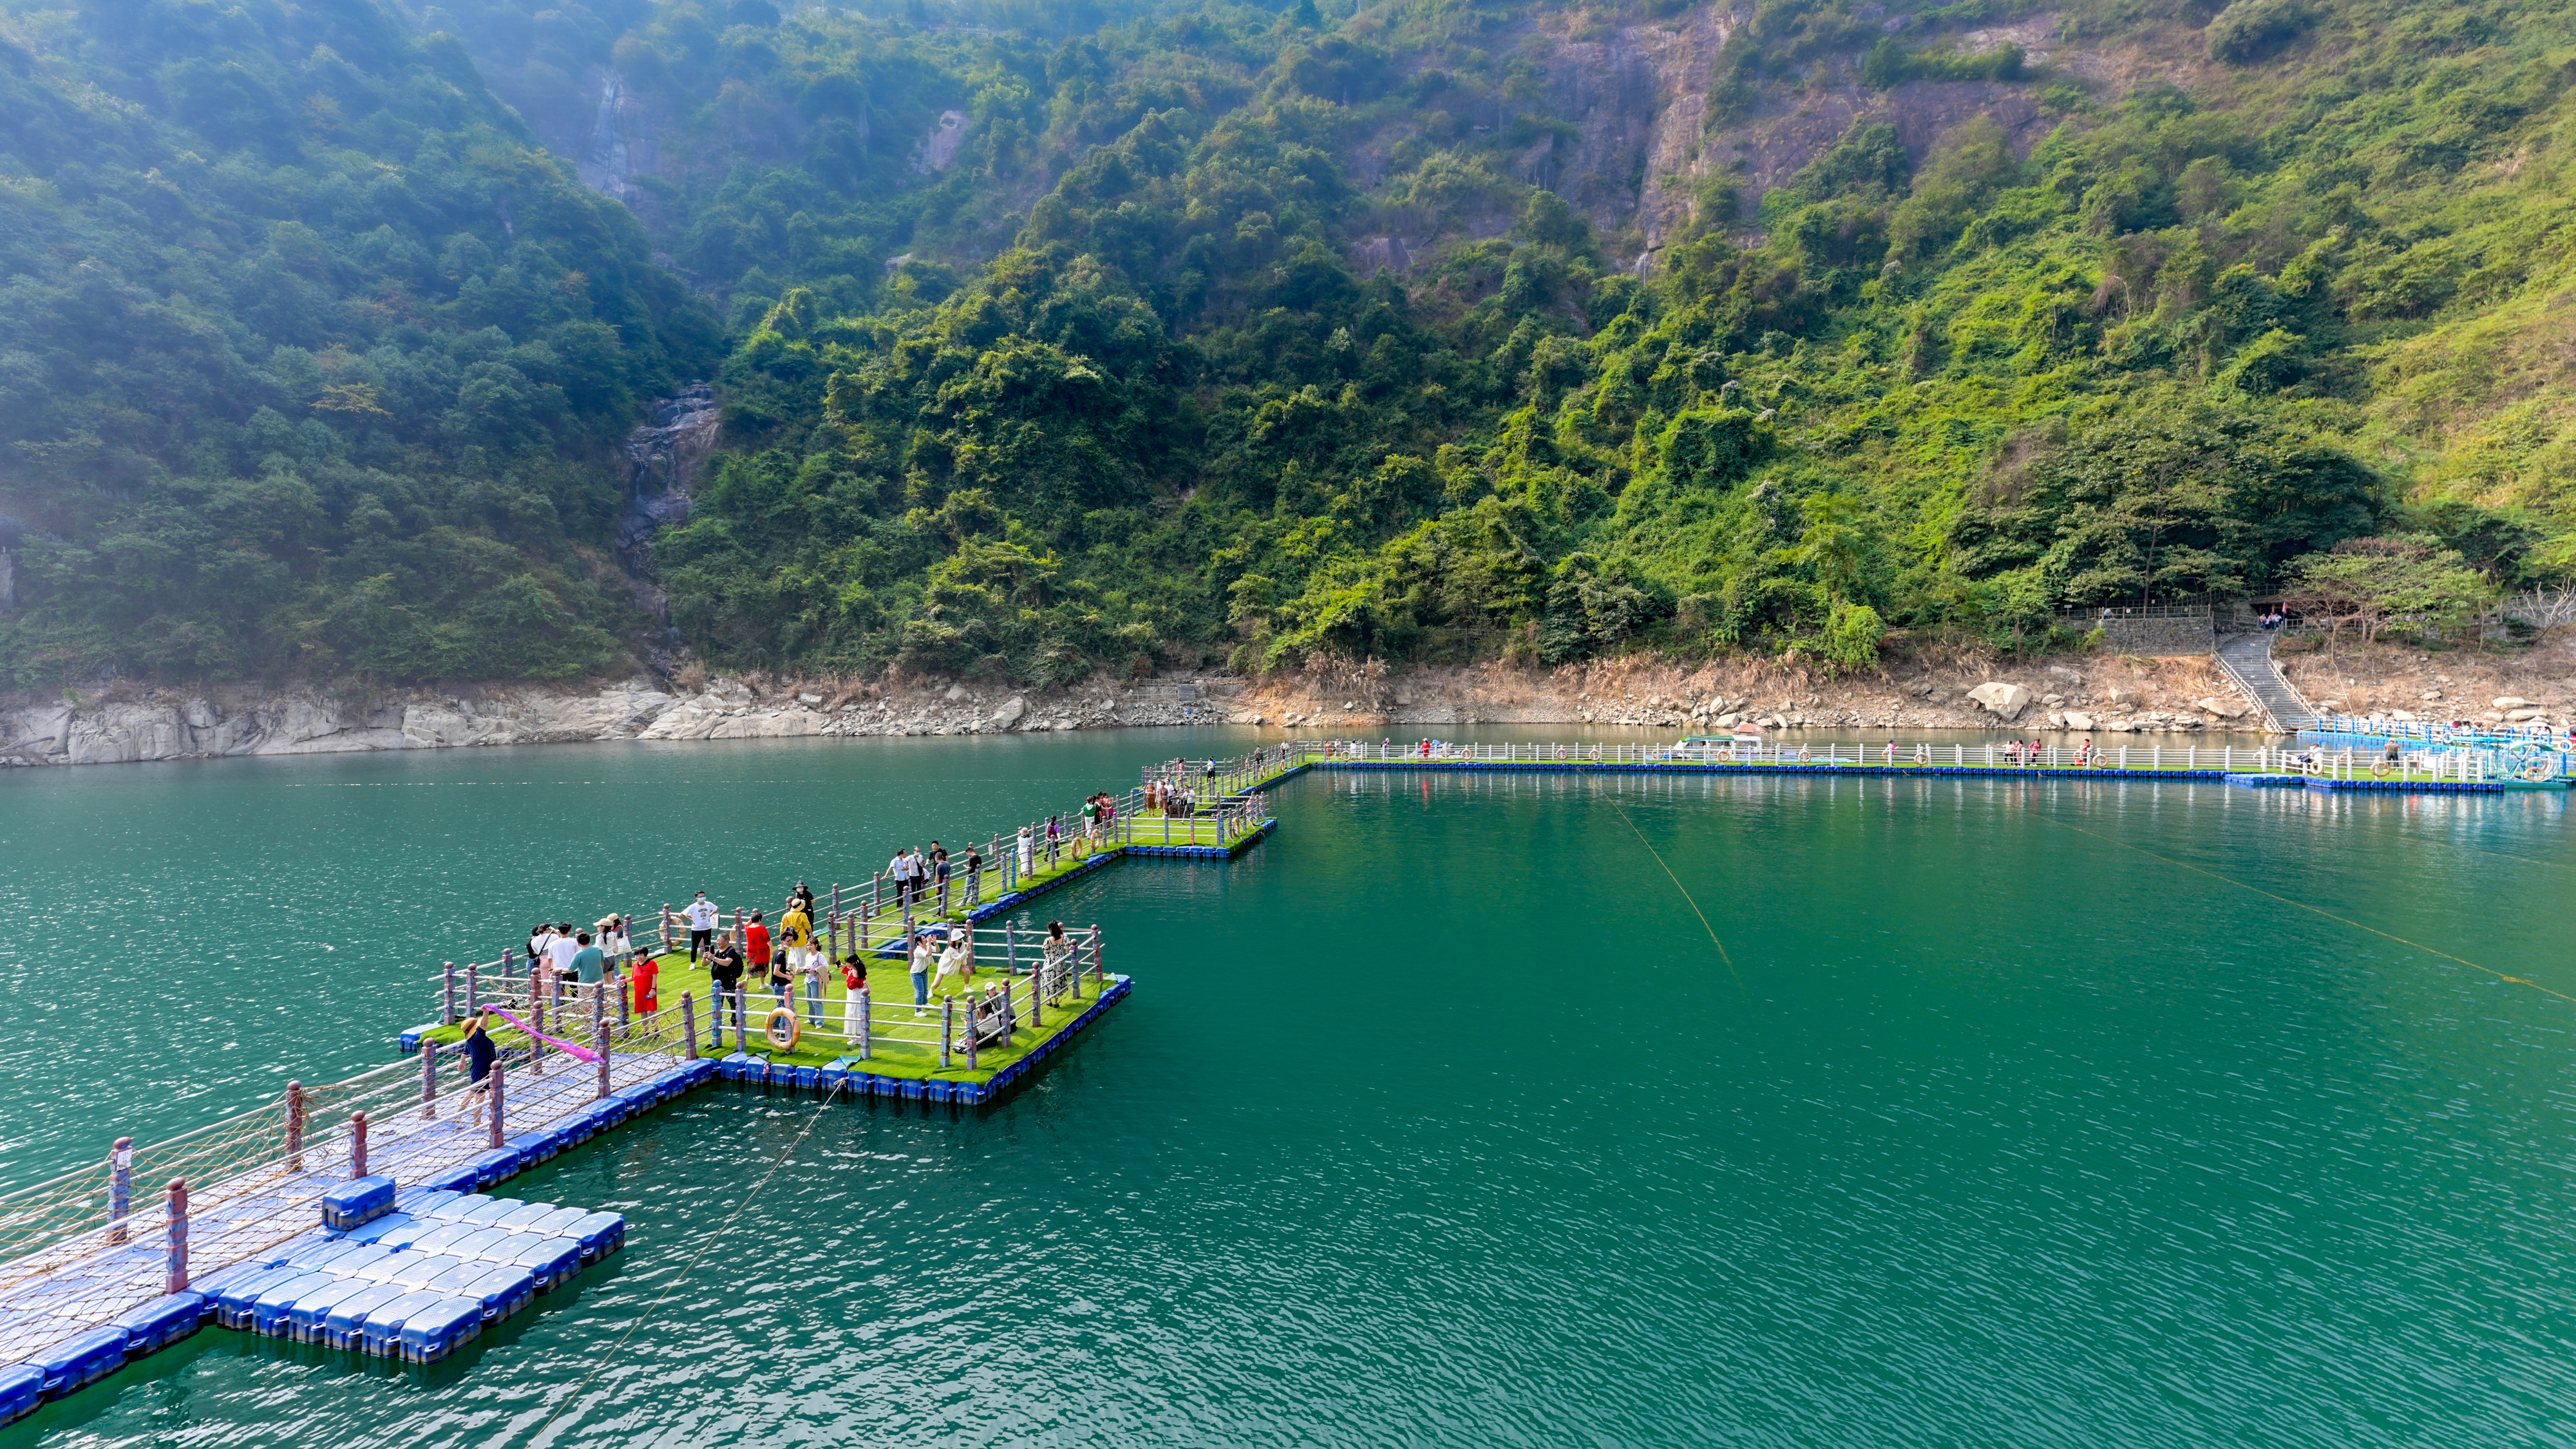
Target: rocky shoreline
x: 2099, y: 693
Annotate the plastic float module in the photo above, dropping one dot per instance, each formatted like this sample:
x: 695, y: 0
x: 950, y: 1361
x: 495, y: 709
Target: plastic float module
x: 381, y: 1335
x: 357, y: 1202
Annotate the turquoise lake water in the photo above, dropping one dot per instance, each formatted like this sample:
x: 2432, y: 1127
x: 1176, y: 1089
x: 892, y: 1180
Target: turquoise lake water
x: 2009, y: 1113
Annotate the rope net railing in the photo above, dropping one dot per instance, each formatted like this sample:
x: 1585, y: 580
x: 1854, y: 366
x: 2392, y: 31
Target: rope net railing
x: 256, y: 1178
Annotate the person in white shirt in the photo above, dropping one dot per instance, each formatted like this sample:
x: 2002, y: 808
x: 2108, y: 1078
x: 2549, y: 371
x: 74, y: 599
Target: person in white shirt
x: 925, y: 960
x: 701, y: 916
x: 957, y: 965
x: 559, y: 954
x: 1024, y: 852
x: 897, y: 870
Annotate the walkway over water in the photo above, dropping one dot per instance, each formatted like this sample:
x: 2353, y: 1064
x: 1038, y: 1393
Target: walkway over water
x: 69, y: 1269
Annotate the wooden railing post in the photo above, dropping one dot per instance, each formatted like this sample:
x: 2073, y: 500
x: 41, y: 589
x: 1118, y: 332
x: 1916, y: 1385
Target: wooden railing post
x: 174, y: 1278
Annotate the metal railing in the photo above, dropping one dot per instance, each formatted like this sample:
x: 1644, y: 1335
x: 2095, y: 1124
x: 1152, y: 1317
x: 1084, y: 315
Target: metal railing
x: 2442, y: 732
x: 2009, y: 755
x: 2462, y: 767
x: 1015, y: 982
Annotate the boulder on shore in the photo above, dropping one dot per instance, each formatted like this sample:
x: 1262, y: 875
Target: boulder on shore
x: 2004, y: 701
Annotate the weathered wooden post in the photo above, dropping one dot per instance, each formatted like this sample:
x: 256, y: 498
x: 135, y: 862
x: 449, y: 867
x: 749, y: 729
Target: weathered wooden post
x: 120, y: 1187
x: 867, y: 1024
x: 295, y: 1126
x: 357, y: 1144
x: 473, y: 988
x: 689, y: 1025
x: 1099, y: 976
x: 429, y: 1080
x: 447, y: 996
x: 1011, y: 948
x: 174, y: 1277
x: 500, y: 1104
x: 599, y: 1039
x: 973, y: 1030
x: 539, y: 981
x: 947, y: 1028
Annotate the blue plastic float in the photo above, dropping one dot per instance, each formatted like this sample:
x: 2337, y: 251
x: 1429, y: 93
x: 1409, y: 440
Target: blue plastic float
x: 80, y: 1360
x: 440, y: 1329
x: 358, y: 1201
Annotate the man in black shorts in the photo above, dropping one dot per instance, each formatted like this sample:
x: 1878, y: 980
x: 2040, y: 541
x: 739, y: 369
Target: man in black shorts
x: 724, y: 966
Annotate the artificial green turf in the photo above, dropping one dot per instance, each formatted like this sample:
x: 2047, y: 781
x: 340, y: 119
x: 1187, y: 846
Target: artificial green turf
x: 890, y: 993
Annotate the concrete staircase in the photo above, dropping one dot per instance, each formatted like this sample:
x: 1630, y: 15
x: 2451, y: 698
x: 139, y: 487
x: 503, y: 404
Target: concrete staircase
x: 2247, y: 658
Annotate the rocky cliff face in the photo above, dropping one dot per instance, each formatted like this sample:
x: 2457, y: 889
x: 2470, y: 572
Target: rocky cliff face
x: 663, y: 456
x: 141, y: 725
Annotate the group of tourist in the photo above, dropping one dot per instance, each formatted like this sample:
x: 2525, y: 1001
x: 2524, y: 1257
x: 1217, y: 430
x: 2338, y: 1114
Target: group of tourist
x: 1171, y: 797
x: 919, y: 874
x: 574, y: 958
x: 2035, y: 752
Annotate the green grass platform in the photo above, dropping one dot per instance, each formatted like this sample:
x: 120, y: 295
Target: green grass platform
x: 890, y: 993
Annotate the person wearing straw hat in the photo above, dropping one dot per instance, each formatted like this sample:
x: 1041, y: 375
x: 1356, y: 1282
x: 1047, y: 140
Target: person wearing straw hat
x: 480, y: 1050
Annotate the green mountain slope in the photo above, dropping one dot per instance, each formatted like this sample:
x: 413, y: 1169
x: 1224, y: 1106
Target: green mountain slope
x: 315, y: 360
x: 1075, y: 340
x: 2156, y: 305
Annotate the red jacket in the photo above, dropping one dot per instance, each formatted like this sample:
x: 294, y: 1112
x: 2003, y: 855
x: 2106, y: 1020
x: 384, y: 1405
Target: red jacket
x: 755, y: 944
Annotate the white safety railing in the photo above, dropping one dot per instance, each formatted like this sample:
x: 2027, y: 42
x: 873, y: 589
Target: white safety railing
x: 2010, y: 755
x: 2439, y: 732
x: 2459, y: 767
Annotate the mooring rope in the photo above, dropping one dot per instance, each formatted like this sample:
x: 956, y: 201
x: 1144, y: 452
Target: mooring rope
x: 1686, y: 895
x: 618, y: 1350
x: 2312, y: 910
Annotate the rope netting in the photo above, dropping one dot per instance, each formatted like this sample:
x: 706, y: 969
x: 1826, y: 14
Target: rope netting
x: 66, y: 1266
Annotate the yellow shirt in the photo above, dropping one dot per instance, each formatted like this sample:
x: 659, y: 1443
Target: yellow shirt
x: 797, y: 928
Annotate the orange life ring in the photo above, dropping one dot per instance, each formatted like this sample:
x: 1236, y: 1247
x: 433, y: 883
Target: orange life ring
x: 769, y: 1028
x: 2379, y: 769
